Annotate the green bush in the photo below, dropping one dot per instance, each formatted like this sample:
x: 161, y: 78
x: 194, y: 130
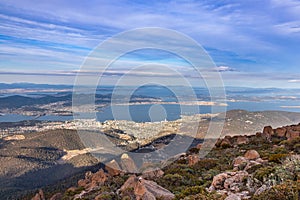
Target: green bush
x: 296, y: 148
x: 70, y: 193
x: 289, y: 144
x: 286, y: 191
x: 277, y: 158
x: 174, y: 179
x: 190, y: 191
x: 263, y: 173
x: 206, y: 164
x: 281, y: 150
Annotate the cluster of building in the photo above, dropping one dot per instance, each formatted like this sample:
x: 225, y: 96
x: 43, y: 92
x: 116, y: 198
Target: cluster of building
x: 145, y: 130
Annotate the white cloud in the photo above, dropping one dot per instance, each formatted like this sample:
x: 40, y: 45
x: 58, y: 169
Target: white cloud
x: 294, y: 81
x: 224, y: 69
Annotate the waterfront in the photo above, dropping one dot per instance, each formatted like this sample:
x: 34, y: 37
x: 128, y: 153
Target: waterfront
x: 140, y: 113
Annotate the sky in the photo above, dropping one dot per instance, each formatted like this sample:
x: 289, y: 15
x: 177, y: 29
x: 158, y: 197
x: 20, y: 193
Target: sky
x: 253, y: 43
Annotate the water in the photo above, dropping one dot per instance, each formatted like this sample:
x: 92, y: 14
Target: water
x: 252, y: 99
x: 150, y: 112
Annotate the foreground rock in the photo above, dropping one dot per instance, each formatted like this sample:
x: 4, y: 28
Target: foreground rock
x: 238, y: 184
x: 230, y: 181
x: 92, y: 181
x: 113, y: 168
x: 251, y: 155
x: 152, y: 173
x: 268, y: 133
x: 145, y: 189
x: 128, y: 164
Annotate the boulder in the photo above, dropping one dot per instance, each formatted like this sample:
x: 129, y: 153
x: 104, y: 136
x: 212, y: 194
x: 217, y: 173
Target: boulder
x: 128, y: 164
x: 92, y: 181
x: 251, y: 155
x: 218, y: 181
x: 193, y: 159
x: 242, y: 140
x: 225, y: 143
x: 261, y: 190
x: 292, y: 134
x: 251, y: 164
x: 280, y: 132
x: 296, y: 127
x: 113, y: 168
x: 235, y: 182
x: 240, y: 162
x: 99, y: 177
x: 268, y: 131
x: 261, y: 161
x: 230, y: 181
x: 157, y: 190
x: 152, y: 173
x: 233, y: 197
x: 145, y: 189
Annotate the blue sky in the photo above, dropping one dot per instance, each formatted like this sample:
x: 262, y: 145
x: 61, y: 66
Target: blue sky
x: 253, y: 42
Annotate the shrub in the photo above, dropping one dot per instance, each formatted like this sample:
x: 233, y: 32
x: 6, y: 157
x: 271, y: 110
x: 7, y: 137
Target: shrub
x: 107, y: 196
x: 194, y: 150
x: 277, y: 158
x: 78, y: 190
x: 285, y: 191
x: 190, y: 191
x: 289, y: 170
x: 289, y: 144
x: 253, y: 169
x: 206, y: 164
x: 296, y: 148
x: 173, y: 179
x: 262, y: 173
x: 281, y: 150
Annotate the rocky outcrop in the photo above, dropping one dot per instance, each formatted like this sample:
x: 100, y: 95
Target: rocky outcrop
x: 152, y: 173
x: 240, y: 162
x: 236, y: 181
x: 92, y: 181
x: 289, y: 132
x: 241, y: 140
x: 280, y: 132
x: 113, y: 168
x: 230, y: 181
x: 261, y: 190
x: 292, y: 134
x: 144, y: 189
x: 268, y: 131
x: 218, y: 181
x: 193, y: 159
x: 286, y: 132
x: 229, y: 141
x: 251, y: 155
x: 128, y: 164
x: 238, y: 184
x: 249, y: 160
x: 233, y: 197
